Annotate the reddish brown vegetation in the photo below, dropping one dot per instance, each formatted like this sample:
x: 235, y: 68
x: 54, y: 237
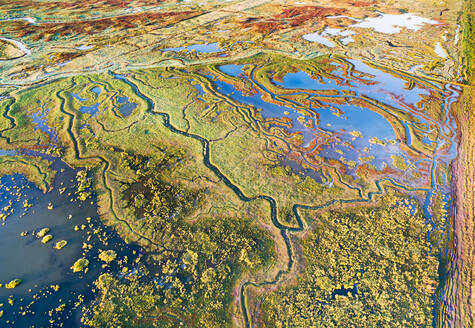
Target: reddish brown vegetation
x: 48, y: 31
x: 362, y: 3
x: 366, y: 169
x: 290, y: 17
x: 62, y: 57
x: 282, y: 122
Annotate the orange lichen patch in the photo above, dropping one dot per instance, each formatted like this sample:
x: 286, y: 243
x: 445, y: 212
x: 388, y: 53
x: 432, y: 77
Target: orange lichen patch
x: 290, y: 17
x: 49, y: 31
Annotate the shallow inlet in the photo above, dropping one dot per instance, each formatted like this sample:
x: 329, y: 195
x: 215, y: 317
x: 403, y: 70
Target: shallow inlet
x: 41, y: 266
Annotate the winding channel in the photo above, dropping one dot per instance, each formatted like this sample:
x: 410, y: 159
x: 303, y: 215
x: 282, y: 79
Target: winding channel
x: 101, y: 159
x: 285, y: 230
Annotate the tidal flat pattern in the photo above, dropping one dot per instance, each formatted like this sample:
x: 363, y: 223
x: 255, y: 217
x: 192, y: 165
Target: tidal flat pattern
x: 235, y: 164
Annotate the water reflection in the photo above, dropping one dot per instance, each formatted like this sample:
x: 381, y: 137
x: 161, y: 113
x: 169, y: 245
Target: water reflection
x: 354, y: 113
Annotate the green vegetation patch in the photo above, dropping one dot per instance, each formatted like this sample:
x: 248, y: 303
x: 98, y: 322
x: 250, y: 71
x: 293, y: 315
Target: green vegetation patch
x: 42, y: 232
x: 61, y: 244
x: 46, y: 239
x: 468, y: 35
x: 35, y: 169
x: 400, y: 163
x: 150, y: 195
x: 193, y: 280
x: 14, y: 283
x: 83, y: 185
x: 107, y: 256
x: 80, y: 265
x: 364, y: 267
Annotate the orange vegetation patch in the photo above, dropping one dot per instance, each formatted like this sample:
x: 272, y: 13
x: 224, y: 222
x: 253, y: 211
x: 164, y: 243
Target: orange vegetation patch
x: 290, y: 17
x: 362, y: 3
x: 48, y: 31
x: 64, y: 56
x: 367, y: 169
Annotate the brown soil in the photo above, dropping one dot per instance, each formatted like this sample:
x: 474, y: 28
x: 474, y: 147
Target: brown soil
x: 464, y: 219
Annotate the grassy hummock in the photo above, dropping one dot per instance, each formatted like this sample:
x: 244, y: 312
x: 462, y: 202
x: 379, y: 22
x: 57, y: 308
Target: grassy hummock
x: 80, y: 265
x: 14, y: 283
